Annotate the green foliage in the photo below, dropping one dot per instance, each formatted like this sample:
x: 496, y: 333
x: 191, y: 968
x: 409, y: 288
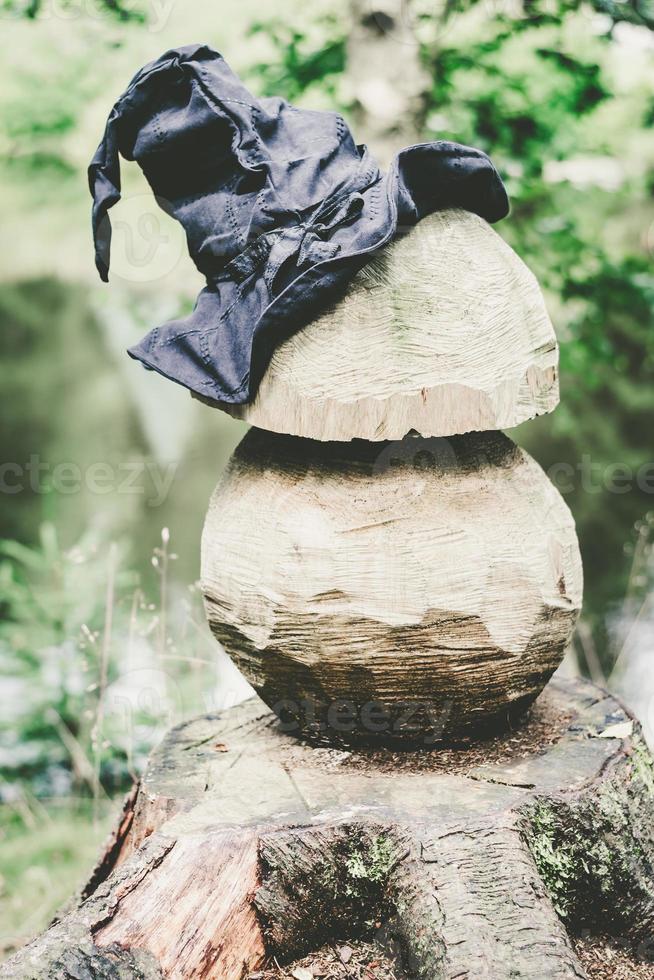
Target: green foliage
x: 515, y: 96
x: 300, y: 59
x: 37, y: 119
x: 541, y: 12
x: 45, y: 855
x: 556, y: 863
x: 52, y: 606
x: 89, y: 665
x: 33, y: 9
x: 49, y: 333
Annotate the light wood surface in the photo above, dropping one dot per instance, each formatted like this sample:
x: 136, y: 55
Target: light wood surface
x: 445, y: 331
x: 443, y: 574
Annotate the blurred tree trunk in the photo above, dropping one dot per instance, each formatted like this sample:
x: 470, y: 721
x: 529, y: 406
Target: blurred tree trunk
x: 389, y: 82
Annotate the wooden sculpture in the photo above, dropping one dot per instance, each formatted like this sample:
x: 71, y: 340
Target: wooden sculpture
x: 399, y: 605
x: 414, y: 588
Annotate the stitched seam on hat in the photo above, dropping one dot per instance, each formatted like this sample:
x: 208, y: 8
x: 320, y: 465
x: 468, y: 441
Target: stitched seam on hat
x: 237, y: 102
x: 374, y: 201
x: 214, y: 386
x: 240, y: 238
x: 261, y: 196
x: 178, y: 336
x: 157, y: 126
x: 229, y: 186
x: 244, y: 383
x: 237, y: 299
x: 204, y: 348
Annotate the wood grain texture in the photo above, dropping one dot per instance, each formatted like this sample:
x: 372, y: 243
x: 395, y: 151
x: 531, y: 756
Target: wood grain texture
x: 438, y: 576
x: 463, y: 863
x: 445, y: 331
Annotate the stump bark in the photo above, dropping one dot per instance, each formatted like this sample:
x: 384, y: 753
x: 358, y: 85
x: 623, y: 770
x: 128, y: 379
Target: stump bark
x: 480, y: 861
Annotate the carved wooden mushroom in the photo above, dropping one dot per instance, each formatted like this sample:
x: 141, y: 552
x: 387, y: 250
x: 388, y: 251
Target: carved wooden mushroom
x: 412, y: 589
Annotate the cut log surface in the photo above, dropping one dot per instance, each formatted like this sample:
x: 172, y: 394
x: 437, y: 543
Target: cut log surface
x: 388, y: 592
x: 444, y: 331
x: 243, y: 844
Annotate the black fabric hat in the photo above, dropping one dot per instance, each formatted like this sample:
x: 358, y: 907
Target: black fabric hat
x: 279, y: 205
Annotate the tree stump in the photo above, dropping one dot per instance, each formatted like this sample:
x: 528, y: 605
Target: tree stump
x: 242, y: 844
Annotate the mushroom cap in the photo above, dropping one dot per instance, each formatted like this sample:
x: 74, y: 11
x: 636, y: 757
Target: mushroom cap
x: 442, y: 332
